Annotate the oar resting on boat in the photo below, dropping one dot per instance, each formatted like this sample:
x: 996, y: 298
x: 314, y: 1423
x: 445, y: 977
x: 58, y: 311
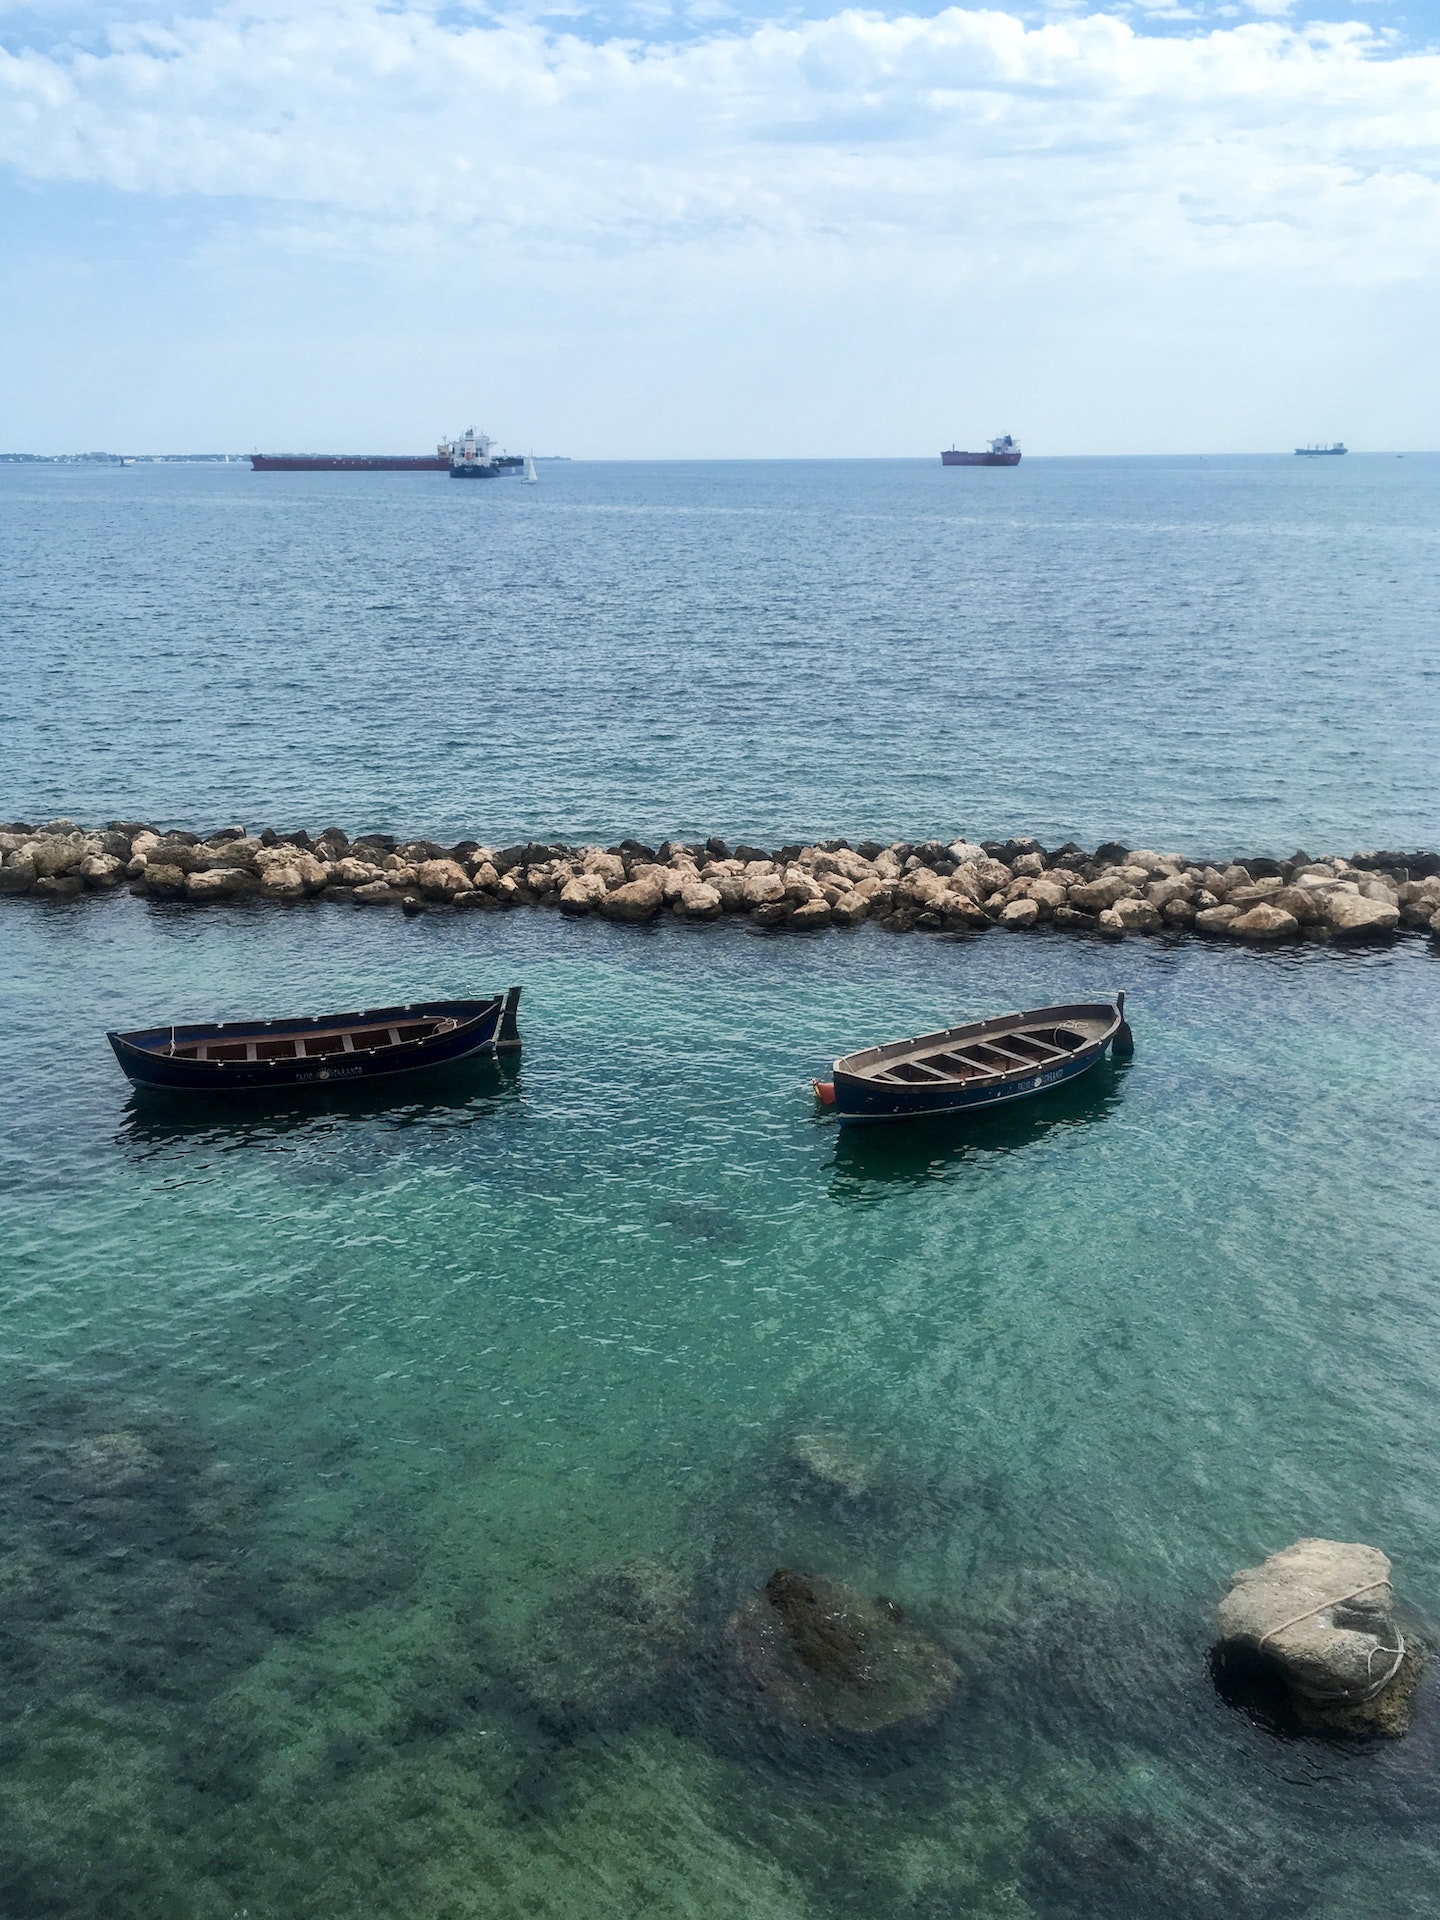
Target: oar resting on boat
x: 983, y: 1064
x: 255, y: 1056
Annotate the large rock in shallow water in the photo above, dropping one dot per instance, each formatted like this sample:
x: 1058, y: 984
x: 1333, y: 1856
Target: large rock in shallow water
x: 821, y: 1658
x: 640, y: 900
x: 1323, y: 1612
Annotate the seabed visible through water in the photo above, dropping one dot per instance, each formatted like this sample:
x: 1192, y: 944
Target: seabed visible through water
x: 377, y: 1481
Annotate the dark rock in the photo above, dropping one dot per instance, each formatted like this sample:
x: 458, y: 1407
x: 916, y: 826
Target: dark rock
x: 637, y: 850
x: 220, y: 838
x: 869, y: 849
x: 773, y: 913
x: 269, y: 837
x: 1419, y: 866
x: 746, y: 852
x: 333, y: 844
x: 1013, y: 849
x: 412, y: 904
x: 416, y: 850
x: 836, y: 846
x: 1112, y: 854
x: 373, y: 845
x: 932, y: 850
x: 463, y: 849
x: 1067, y: 856
x: 821, y: 1658
x: 509, y: 857
x: 717, y: 848
x: 784, y: 855
x: 59, y: 886
x: 1262, y: 869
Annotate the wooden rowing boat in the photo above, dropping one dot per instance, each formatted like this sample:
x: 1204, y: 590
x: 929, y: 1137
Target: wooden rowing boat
x: 256, y: 1056
x: 972, y: 1068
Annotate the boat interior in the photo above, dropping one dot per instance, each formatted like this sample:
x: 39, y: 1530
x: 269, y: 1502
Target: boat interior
x: 318, y: 1044
x: 955, y: 1058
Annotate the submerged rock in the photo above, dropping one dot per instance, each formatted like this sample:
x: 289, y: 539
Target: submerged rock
x: 1322, y: 1613
x: 112, y: 1462
x: 608, y: 1645
x: 832, y: 1465
x: 824, y: 1659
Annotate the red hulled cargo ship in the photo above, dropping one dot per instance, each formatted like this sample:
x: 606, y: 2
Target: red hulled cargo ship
x: 1004, y: 452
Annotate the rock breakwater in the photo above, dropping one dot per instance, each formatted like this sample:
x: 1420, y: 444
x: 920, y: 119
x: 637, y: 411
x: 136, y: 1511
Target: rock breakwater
x: 955, y: 886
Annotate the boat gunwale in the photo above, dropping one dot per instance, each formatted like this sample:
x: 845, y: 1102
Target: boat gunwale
x: 159, y: 1040
x: 856, y: 1066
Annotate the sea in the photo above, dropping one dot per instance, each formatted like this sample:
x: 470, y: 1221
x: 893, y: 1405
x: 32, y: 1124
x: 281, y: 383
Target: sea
x: 381, y: 1481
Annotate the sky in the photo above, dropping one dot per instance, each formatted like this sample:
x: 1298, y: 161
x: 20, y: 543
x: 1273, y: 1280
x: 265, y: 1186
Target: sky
x: 651, y: 229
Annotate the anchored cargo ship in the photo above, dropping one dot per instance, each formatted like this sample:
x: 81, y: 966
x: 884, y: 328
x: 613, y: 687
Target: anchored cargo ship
x: 1004, y: 452
x: 437, y: 462
x: 470, y: 455
x: 1309, y: 453
x: 473, y: 458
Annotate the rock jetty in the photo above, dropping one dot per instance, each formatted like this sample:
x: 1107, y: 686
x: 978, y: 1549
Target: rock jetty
x: 955, y: 886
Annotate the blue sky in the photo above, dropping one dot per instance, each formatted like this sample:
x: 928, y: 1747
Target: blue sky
x: 665, y: 230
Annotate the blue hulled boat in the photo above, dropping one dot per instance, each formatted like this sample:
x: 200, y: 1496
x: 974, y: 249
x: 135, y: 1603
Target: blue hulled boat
x: 259, y: 1056
x: 972, y: 1068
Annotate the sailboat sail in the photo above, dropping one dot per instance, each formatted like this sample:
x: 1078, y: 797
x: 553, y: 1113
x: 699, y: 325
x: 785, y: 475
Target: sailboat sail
x: 530, y: 474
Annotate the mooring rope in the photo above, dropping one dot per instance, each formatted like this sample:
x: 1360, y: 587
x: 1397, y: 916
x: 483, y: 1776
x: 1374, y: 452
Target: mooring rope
x: 1339, y: 1601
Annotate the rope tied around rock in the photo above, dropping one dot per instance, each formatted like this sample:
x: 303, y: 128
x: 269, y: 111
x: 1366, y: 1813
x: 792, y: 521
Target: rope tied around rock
x: 1338, y: 1601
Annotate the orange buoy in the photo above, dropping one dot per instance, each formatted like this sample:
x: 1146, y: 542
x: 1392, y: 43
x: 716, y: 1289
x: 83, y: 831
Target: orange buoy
x: 824, y: 1092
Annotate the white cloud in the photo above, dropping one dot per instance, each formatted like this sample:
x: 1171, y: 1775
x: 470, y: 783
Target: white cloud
x: 1261, y: 144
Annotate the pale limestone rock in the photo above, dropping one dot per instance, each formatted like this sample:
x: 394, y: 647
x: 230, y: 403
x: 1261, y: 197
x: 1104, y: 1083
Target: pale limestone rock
x: 18, y: 874
x: 639, y: 900
x: 1352, y: 915
x: 1250, y: 896
x: 1170, y: 886
x: 1263, y: 922
x: 350, y: 872
x: 484, y: 875
x: 1178, y: 912
x: 57, y: 854
x: 278, y: 881
x: 101, y: 870
x: 761, y: 889
x: 375, y: 893
x: 677, y: 879
x: 1301, y: 903
x: 1019, y: 914
x: 218, y: 883
x: 1094, y: 896
x: 810, y: 913
x: 582, y: 894
x: 1136, y: 915
x: 143, y: 842
x: 1215, y: 919
x: 1049, y: 893
x: 1029, y: 866
x: 1109, y: 923
x: 700, y: 901
x: 442, y: 879
x: 963, y: 914
x: 1323, y: 1610
x: 476, y: 902
x: 850, y: 909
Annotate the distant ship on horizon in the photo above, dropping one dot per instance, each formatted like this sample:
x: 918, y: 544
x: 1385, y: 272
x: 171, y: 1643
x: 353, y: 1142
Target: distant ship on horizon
x: 1004, y: 452
x: 470, y: 455
x: 1311, y: 453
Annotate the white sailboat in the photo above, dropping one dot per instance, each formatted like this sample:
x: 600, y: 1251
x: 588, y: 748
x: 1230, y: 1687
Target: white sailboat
x: 530, y: 476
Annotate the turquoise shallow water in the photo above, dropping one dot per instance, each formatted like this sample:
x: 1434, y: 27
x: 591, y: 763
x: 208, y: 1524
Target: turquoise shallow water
x: 315, y: 1424
x: 1216, y: 655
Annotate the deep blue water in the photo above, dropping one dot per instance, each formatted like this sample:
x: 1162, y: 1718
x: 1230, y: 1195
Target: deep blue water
x: 1210, y: 654
x: 322, y: 1429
